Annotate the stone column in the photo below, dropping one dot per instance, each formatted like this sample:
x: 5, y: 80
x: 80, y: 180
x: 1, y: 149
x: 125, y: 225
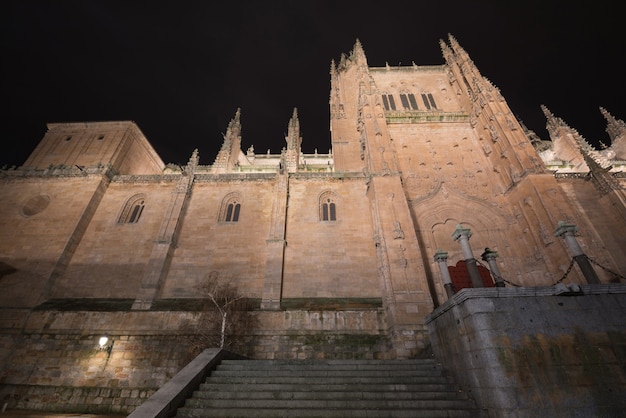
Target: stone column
x: 567, y: 231
x: 463, y: 235
x: 441, y: 257
x: 490, y: 257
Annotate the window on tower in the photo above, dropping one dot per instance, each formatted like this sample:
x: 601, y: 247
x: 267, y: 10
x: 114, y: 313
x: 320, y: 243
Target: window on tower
x: 429, y: 101
x: 408, y: 101
x: 388, y: 102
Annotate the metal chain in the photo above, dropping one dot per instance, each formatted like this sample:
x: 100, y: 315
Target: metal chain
x: 606, y: 269
x: 498, y: 276
x: 571, y: 264
x: 569, y: 268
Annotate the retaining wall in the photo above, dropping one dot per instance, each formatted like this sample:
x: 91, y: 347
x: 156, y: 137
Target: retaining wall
x: 537, y: 352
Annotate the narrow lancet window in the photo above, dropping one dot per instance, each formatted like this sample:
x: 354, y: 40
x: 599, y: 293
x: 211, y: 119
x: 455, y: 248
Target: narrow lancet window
x: 132, y: 210
x: 328, y: 207
x: 231, y: 208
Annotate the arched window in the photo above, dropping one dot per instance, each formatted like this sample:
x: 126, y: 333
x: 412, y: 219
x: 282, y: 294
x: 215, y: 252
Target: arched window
x: 388, y: 102
x: 408, y: 101
x: 328, y: 207
x: 133, y: 208
x: 429, y: 101
x: 231, y: 207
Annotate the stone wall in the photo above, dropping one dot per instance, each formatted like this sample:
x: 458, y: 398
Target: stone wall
x: 537, y: 352
x: 51, y: 360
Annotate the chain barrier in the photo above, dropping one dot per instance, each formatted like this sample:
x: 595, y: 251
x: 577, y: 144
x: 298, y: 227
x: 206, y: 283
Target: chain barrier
x: 569, y: 268
x: 497, y: 276
x: 619, y: 276
x: 571, y: 264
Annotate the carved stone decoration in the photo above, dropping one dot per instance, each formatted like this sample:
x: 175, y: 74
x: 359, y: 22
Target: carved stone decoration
x: 493, y: 133
x: 546, y: 236
x: 35, y: 205
x: 473, y: 119
x: 512, y: 125
x: 398, y: 233
x: 487, y: 148
x: 403, y: 262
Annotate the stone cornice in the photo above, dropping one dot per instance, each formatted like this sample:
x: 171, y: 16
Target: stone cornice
x: 425, y: 117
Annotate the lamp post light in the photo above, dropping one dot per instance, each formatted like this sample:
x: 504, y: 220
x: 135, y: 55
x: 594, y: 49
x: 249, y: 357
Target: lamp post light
x: 105, y: 345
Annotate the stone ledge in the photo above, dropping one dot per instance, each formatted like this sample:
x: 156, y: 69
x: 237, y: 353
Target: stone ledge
x: 502, y: 292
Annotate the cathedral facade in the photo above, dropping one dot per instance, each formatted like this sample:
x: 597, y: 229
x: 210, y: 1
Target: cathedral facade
x: 427, y: 165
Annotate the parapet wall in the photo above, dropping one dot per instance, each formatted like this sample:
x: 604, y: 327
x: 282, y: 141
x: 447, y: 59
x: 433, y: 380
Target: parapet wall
x: 537, y: 352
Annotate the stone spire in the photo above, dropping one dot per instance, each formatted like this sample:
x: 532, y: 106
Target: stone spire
x: 552, y: 122
x: 293, y: 131
x: 356, y: 58
x: 357, y: 52
x: 569, y: 145
x: 615, y: 127
x: 294, y: 143
x: 233, y: 132
x: 458, y: 50
x: 231, y: 147
x: 480, y: 89
x: 192, y: 164
x: 446, y: 51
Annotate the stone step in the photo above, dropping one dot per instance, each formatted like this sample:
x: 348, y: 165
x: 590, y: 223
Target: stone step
x: 284, y: 392
x: 325, y: 413
x: 325, y: 387
x: 347, y: 403
x: 327, y: 372
x: 328, y: 388
x: 329, y: 380
x: 400, y: 364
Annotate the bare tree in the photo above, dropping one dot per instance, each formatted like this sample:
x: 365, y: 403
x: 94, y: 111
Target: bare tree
x: 226, y: 320
x: 225, y: 297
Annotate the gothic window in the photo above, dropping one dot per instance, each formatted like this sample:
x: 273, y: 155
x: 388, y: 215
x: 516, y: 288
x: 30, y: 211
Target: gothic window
x: 408, y: 101
x: 429, y: 101
x: 231, y: 207
x: 328, y: 207
x: 389, y: 102
x: 132, y: 210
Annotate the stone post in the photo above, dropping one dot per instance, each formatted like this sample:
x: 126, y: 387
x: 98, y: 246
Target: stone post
x: 490, y: 257
x: 441, y: 257
x: 567, y: 231
x: 463, y: 235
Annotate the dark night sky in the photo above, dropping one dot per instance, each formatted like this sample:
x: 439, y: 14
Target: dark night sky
x: 180, y: 69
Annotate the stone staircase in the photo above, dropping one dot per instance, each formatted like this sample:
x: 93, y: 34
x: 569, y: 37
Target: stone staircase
x: 329, y: 388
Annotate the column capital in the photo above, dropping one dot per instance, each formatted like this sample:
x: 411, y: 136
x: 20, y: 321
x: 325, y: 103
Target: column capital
x: 564, y: 229
x: 441, y: 255
x: 460, y: 231
x: 489, y: 254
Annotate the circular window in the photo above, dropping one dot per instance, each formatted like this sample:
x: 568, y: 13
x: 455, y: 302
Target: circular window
x: 35, y: 205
